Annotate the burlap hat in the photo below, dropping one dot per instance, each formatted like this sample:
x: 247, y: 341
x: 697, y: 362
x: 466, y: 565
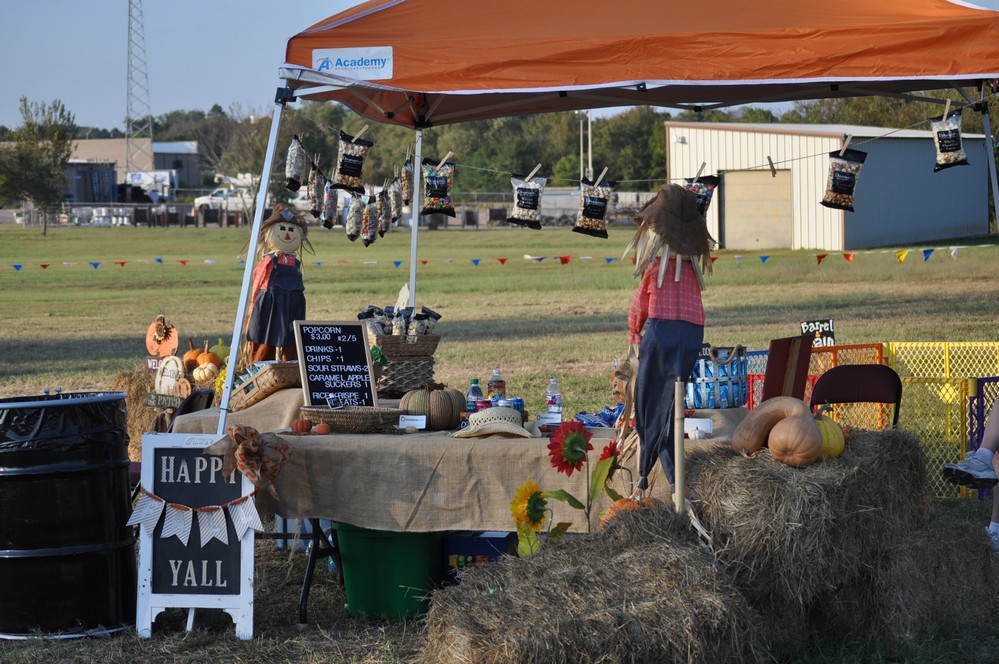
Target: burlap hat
x: 501, y: 421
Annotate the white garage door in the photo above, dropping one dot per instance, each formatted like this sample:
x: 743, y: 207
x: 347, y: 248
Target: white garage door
x: 755, y: 210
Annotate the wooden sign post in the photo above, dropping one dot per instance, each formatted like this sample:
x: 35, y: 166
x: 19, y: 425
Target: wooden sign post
x: 189, y: 557
x: 335, y: 362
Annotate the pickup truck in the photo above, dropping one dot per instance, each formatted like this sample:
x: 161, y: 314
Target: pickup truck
x: 224, y: 199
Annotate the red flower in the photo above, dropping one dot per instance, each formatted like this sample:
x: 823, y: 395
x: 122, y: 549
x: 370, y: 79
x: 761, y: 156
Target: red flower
x: 568, y: 447
x: 609, y: 451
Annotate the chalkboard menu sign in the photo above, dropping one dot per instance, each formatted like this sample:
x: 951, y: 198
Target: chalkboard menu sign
x: 335, y: 363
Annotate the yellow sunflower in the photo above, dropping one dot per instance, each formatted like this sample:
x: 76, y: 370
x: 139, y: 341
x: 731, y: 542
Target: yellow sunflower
x: 528, y: 505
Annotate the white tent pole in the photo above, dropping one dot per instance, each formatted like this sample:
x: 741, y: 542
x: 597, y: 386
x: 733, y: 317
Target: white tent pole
x: 258, y: 217
x: 415, y: 201
x: 990, y: 157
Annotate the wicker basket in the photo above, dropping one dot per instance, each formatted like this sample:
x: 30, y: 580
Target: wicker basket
x: 404, y: 374
x: 422, y: 345
x: 354, y: 419
x: 264, y: 383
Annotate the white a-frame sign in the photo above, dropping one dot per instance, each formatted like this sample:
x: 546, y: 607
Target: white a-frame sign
x: 196, y: 533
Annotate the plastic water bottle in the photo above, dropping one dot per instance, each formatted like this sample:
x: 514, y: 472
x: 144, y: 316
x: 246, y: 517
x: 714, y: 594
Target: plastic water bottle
x: 473, y: 396
x: 553, y: 396
x: 497, y: 386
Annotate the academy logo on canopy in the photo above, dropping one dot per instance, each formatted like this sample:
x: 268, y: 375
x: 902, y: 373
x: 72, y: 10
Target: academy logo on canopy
x: 364, y: 64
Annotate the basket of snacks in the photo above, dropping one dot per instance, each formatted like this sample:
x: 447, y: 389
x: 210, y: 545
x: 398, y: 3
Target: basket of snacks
x: 265, y: 379
x: 354, y: 419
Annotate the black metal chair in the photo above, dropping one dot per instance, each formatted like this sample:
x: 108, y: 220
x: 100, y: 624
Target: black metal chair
x: 860, y: 383
x: 195, y: 401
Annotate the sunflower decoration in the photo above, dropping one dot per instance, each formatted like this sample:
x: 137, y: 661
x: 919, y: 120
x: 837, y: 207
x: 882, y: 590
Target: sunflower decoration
x: 528, y: 505
x: 568, y: 447
x: 610, y: 451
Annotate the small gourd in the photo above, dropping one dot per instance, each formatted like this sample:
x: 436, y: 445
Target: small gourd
x: 301, y: 425
x: 833, y: 438
x: 753, y: 431
x: 796, y: 441
x: 205, y: 372
x: 323, y: 428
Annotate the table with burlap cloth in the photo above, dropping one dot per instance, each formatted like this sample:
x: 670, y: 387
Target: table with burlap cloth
x: 429, y: 481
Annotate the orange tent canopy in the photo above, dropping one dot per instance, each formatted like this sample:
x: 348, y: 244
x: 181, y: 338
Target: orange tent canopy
x: 420, y: 63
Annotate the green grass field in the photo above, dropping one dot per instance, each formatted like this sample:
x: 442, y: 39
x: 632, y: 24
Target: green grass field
x: 73, y: 326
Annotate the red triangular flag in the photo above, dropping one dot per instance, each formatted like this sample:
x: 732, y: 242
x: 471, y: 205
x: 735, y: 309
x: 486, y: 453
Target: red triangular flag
x: 43, y: 265
x: 820, y: 257
x: 849, y: 257
x: 423, y: 261
x: 502, y: 261
x: 120, y: 263
x: 565, y: 259
x: 184, y: 263
x: 714, y: 258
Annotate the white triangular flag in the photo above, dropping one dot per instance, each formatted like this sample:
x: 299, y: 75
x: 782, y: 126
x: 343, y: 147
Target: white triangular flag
x: 244, y: 516
x: 211, y: 523
x: 177, y: 522
x: 953, y: 253
x: 146, y: 513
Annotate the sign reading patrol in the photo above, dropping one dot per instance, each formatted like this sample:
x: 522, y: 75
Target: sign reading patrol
x: 373, y: 63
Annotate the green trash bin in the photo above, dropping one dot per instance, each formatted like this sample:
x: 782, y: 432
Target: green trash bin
x: 387, y: 574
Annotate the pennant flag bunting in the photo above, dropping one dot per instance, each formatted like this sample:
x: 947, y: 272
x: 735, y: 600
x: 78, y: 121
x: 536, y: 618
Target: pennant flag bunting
x: 609, y: 259
x: 44, y: 266
x: 120, y: 263
x: 241, y: 261
x: 182, y: 261
x: 94, y: 265
x: 212, y: 261
x: 158, y: 260
x: 849, y: 257
x: 177, y: 522
x: 397, y: 263
x: 738, y: 260
x: 564, y: 259
x: 343, y: 260
x: 502, y: 261
x: 476, y: 261
x: 764, y: 259
x: 820, y: 257
x: 423, y: 261
x: 211, y: 522
x: 713, y: 259
x: 17, y: 267
x: 69, y: 263
x: 370, y: 263
x: 953, y: 253
x: 901, y: 255
x: 926, y: 254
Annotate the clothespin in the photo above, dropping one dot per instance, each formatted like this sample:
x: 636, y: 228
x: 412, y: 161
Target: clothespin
x: 946, y: 109
x: 444, y: 160
x: 846, y: 144
x: 602, y: 174
x: 533, y: 173
x: 700, y: 170
x: 358, y: 135
x: 773, y: 169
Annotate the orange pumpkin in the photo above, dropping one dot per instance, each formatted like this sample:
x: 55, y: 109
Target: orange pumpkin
x: 301, y: 425
x: 191, y: 356
x: 323, y: 428
x: 208, y: 356
x: 796, y: 441
x: 622, y: 505
x: 753, y: 431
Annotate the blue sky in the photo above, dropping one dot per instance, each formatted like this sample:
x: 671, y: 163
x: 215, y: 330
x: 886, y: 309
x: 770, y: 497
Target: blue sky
x: 198, y: 53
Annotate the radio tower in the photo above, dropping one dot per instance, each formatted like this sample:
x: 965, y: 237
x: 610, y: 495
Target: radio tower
x: 138, y: 118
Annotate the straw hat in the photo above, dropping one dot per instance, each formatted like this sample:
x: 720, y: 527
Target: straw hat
x: 498, y: 420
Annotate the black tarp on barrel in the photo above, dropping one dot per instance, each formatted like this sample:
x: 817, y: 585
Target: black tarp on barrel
x: 67, y: 559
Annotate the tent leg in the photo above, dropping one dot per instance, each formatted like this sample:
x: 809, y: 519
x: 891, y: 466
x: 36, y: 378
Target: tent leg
x: 414, y: 214
x: 990, y: 148
x: 251, y: 251
x: 679, y: 470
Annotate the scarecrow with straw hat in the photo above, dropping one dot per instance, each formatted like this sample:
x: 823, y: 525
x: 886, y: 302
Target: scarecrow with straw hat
x: 277, y: 297
x: 672, y: 250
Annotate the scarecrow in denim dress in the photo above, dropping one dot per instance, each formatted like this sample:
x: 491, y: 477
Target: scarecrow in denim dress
x: 672, y: 250
x: 277, y: 297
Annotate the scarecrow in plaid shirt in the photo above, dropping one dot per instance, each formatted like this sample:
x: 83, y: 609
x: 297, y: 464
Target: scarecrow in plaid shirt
x: 666, y: 318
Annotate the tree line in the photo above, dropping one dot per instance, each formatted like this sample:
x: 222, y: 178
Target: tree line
x: 629, y: 144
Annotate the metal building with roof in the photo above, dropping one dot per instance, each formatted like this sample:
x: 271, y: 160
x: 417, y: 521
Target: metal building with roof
x: 898, y: 200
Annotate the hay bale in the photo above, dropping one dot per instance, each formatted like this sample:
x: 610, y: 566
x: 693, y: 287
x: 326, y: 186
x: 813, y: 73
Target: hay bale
x: 642, y: 590
x: 141, y: 418
x: 791, y: 536
x: 931, y: 584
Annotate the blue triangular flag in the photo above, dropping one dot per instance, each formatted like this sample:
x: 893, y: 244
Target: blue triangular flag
x: 763, y: 259
x: 94, y: 264
x: 540, y: 258
x: 476, y: 261
x: 158, y: 259
x: 610, y: 259
x: 926, y: 254
x: 397, y: 263
x: 242, y: 261
x: 17, y: 267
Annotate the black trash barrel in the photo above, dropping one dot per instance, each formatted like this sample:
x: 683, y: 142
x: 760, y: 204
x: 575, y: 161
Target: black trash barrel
x: 67, y: 559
